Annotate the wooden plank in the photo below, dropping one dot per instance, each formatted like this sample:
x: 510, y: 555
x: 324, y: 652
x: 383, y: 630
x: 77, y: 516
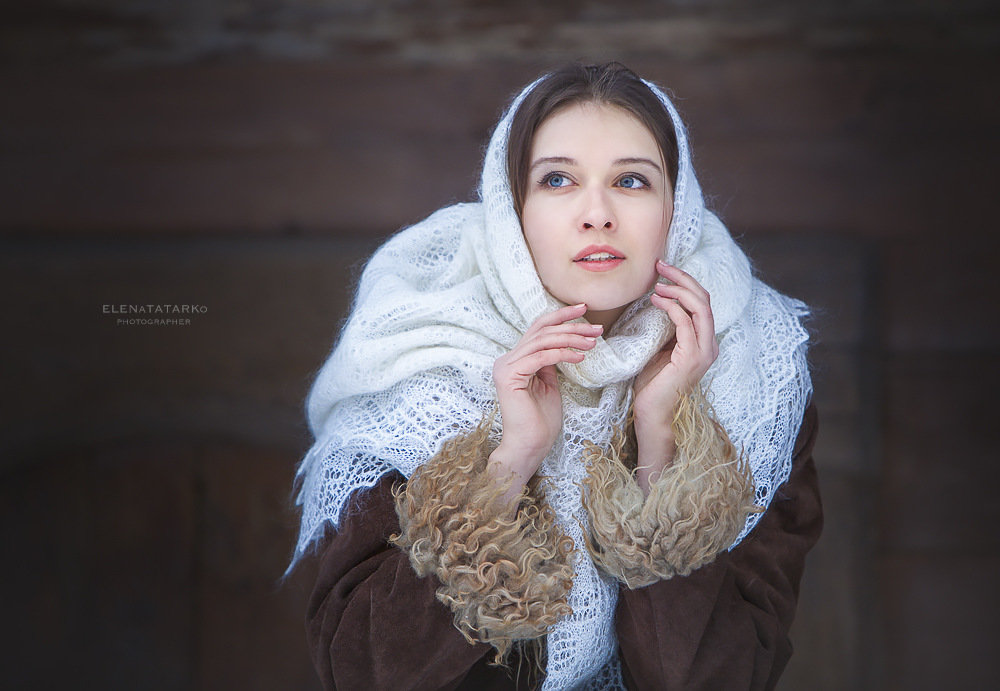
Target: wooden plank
x: 791, y: 143
x: 102, y: 576
x: 938, y: 491
x: 243, y: 367
x: 940, y: 616
x: 251, y: 626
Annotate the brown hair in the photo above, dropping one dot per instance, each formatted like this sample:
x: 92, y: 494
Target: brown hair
x: 609, y: 84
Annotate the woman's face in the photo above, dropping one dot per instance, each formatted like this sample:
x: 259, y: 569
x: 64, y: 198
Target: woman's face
x: 597, y: 208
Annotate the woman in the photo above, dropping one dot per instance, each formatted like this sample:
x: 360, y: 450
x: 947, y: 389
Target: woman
x: 585, y: 429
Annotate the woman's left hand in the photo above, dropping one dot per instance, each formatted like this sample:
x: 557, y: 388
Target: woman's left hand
x: 674, y: 370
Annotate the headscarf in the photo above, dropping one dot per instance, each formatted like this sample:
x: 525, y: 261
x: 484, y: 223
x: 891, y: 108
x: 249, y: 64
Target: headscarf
x: 440, y: 301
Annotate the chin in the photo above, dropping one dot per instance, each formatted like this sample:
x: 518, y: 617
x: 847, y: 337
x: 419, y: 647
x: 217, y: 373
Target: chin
x: 603, y: 304
x: 601, y: 300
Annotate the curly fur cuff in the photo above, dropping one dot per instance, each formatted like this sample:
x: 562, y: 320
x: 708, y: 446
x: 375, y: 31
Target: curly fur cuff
x: 505, y: 570
x: 695, y: 510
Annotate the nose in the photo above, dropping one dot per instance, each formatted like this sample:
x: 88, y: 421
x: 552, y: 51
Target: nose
x: 597, y: 212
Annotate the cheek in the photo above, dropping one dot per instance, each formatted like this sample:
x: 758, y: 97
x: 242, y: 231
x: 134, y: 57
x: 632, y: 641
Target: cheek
x: 655, y: 224
x: 661, y: 219
x: 537, y: 227
x: 667, y: 215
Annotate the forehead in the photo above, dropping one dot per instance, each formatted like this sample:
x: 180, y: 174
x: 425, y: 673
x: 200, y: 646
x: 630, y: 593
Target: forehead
x: 597, y: 128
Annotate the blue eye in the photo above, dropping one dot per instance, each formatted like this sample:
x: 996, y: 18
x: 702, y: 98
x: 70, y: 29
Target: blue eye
x: 555, y: 180
x: 632, y: 182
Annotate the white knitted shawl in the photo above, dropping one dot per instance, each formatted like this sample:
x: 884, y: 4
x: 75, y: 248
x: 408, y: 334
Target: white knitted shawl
x: 441, y: 300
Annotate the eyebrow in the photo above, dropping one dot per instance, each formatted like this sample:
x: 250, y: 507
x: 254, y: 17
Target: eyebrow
x: 618, y: 162
x: 632, y: 161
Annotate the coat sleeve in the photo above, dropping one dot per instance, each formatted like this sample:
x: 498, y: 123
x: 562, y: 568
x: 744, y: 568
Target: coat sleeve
x: 501, y: 569
x: 726, y: 624
x: 504, y: 566
x: 372, y: 623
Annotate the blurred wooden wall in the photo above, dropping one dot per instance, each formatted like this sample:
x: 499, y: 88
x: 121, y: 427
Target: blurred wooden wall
x: 247, y: 157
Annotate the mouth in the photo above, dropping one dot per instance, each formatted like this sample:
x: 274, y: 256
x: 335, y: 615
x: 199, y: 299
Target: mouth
x: 598, y: 258
x: 598, y: 253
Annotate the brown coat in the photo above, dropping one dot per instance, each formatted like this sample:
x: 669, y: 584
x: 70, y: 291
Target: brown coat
x: 372, y: 623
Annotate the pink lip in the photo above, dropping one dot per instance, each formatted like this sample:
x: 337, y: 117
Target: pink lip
x: 591, y: 249
x: 604, y: 264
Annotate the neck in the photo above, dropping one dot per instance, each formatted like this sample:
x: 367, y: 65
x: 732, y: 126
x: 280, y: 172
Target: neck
x: 605, y: 318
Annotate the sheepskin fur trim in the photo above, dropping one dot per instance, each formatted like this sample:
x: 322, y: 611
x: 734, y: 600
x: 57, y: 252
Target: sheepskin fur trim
x: 695, y: 509
x: 505, y: 570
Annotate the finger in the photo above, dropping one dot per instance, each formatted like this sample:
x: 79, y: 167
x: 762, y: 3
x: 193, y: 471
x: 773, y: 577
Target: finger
x: 528, y: 366
x: 681, y: 277
x: 548, y: 341
x: 702, y: 349
x: 570, y: 330
x: 563, y: 314
x: 679, y: 292
x: 704, y: 320
x: 686, y: 336
x: 583, y: 328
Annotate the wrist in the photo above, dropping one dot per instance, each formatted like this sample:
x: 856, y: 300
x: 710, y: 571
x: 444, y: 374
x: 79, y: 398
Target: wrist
x: 654, y: 432
x: 654, y: 414
x: 505, y: 465
x: 656, y: 446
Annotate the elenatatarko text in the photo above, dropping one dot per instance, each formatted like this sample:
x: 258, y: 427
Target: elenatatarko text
x: 155, y: 309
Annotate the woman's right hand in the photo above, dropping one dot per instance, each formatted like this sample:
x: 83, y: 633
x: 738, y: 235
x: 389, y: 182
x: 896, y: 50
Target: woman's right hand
x: 528, y: 390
